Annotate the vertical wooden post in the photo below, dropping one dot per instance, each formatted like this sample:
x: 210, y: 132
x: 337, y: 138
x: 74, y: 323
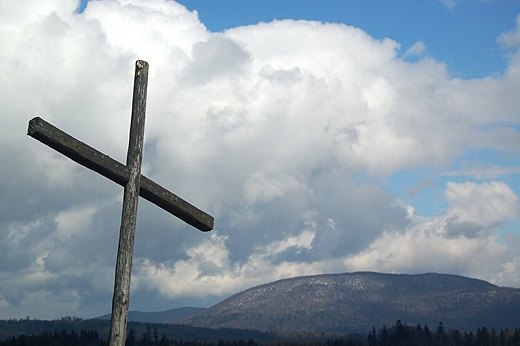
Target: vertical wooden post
x: 121, y: 299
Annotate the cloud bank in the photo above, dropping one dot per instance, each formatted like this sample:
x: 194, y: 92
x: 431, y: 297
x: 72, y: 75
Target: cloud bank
x: 283, y: 131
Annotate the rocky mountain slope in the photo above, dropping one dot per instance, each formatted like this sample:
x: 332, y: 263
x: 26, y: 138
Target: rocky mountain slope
x: 354, y: 302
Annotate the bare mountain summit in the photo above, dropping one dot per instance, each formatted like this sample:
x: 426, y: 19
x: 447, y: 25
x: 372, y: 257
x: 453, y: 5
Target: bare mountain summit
x: 354, y: 302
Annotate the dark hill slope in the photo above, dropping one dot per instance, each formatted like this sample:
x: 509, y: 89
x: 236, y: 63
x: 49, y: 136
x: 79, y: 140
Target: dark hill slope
x: 167, y: 316
x: 357, y: 301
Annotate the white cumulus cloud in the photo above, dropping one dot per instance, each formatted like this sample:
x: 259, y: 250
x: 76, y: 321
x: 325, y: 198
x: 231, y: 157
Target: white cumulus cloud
x: 283, y: 131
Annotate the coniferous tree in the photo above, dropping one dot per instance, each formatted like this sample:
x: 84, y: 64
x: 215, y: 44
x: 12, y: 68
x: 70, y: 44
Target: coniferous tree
x: 164, y: 340
x: 155, y: 336
x: 469, y: 339
x: 502, y: 338
x: 384, y: 337
x: 482, y: 338
x: 428, y: 338
x: 440, y: 336
x: 130, y: 339
x: 493, y: 337
x: 515, y: 340
x: 399, y: 334
x: 372, y: 337
x: 456, y: 339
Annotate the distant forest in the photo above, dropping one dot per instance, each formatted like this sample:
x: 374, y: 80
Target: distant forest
x: 399, y: 334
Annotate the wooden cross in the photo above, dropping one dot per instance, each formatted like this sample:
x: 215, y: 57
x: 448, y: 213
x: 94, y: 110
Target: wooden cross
x: 135, y: 184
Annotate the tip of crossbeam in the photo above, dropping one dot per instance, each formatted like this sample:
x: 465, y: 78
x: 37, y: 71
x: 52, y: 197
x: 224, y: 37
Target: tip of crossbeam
x: 33, y: 125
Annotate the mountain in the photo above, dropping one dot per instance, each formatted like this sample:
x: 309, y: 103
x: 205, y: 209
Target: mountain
x: 168, y: 316
x: 355, y: 302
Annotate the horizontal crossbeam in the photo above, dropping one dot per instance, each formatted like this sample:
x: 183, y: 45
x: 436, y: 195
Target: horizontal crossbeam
x: 103, y: 164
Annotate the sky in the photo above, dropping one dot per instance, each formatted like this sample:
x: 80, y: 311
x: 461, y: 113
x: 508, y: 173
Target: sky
x: 324, y: 137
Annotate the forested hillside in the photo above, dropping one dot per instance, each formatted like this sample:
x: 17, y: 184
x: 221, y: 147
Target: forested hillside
x: 354, y: 302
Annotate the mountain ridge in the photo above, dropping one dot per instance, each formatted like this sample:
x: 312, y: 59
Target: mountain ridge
x: 166, y: 316
x: 351, y: 302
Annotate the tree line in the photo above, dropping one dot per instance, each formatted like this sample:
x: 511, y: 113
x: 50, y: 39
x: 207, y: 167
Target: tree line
x: 63, y: 338
x: 400, y: 334
x: 403, y: 335
x: 148, y: 339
